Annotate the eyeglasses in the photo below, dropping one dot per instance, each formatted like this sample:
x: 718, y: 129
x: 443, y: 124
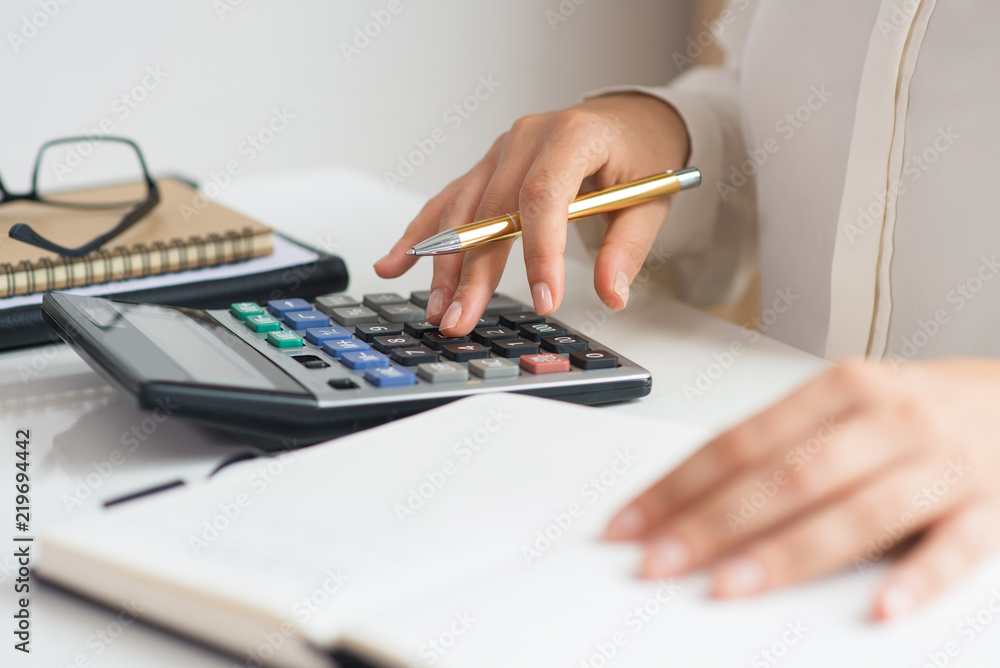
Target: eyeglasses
x: 64, y: 175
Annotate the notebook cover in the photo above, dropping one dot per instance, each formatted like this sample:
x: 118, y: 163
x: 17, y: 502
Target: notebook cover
x: 25, y: 326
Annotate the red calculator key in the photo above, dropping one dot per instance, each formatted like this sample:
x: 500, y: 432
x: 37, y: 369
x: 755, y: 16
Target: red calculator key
x: 544, y: 363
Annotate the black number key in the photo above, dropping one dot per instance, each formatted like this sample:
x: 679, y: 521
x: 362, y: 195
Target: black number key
x: 418, y: 328
x: 368, y: 332
x: 593, y: 359
x: 515, y: 347
x: 487, y: 335
x: 564, y: 343
x: 515, y: 320
x: 386, y: 343
x: 536, y: 330
x: 413, y: 356
x: 434, y: 340
x: 463, y: 352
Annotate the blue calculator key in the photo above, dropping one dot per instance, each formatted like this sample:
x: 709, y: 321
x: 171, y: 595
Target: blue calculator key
x: 280, y: 307
x: 305, y: 319
x: 390, y: 376
x: 338, y: 347
x: 320, y: 335
x: 364, y: 359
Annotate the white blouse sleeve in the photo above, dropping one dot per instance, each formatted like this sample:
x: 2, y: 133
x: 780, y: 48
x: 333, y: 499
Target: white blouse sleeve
x: 710, y: 233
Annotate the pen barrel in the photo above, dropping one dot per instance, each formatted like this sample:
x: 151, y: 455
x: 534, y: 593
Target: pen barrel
x: 630, y: 194
x: 501, y: 228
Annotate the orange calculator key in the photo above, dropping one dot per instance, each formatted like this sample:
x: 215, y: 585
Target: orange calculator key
x: 544, y: 363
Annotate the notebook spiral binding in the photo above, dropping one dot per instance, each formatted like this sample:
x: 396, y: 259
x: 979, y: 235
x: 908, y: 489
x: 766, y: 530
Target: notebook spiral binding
x: 122, y: 263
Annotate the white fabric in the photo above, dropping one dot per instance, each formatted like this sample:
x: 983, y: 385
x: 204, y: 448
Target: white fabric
x: 869, y: 132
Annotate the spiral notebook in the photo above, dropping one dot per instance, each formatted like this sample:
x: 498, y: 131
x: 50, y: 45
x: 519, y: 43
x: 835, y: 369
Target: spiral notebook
x: 185, y: 231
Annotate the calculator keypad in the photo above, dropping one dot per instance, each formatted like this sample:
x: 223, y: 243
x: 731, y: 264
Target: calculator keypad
x: 384, y: 341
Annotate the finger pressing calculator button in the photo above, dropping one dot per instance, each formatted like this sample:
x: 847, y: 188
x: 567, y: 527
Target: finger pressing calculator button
x: 463, y: 352
x: 593, y: 359
x: 536, y: 330
x: 443, y: 372
x: 363, y: 359
x: 487, y: 335
x: 369, y: 332
x: 391, y: 376
x: 387, y: 343
x: 420, y: 297
x: 305, y: 319
x: 400, y: 312
x: 326, y: 303
x: 341, y: 346
x: 544, y: 363
x: 493, y: 367
x: 564, y: 343
x: 434, y: 340
x: 262, y: 323
x: 515, y: 347
x: 349, y: 316
x: 280, y: 307
x: 376, y: 299
x: 320, y: 335
x: 241, y: 310
x: 413, y: 356
x: 284, y: 339
x: 418, y: 328
x: 516, y: 319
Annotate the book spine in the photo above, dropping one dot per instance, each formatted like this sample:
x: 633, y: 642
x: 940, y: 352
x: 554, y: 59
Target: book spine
x: 122, y: 263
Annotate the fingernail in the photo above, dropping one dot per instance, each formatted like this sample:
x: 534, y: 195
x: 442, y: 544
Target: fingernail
x: 898, y: 599
x: 621, y: 287
x: 667, y: 556
x: 739, y: 577
x: 629, y: 523
x: 452, y: 315
x: 435, y: 303
x: 542, y: 297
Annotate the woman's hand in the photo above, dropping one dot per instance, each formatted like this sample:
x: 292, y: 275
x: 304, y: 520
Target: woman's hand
x: 537, y: 168
x: 848, y: 466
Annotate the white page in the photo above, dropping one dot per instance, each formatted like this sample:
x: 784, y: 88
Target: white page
x: 581, y: 606
x: 332, y: 509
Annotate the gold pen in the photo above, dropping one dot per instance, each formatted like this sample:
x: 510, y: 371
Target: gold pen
x: 508, y: 226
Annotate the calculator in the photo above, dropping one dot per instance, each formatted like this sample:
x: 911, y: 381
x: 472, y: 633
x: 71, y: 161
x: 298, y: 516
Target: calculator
x: 291, y: 372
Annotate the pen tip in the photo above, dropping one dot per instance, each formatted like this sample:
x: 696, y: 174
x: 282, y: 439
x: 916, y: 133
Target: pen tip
x: 411, y: 252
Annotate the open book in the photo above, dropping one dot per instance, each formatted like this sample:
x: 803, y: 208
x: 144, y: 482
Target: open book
x: 466, y: 536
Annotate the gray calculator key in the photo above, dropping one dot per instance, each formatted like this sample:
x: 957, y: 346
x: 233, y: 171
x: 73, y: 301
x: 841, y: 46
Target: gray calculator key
x: 502, y: 304
x: 349, y: 316
x: 401, y: 312
x: 326, y: 303
x: 420, y: 297
x: 443, y: 372
x: 376, y: 299
x: 494, y: 367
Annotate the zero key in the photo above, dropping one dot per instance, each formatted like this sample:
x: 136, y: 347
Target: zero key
x: 593, y: 359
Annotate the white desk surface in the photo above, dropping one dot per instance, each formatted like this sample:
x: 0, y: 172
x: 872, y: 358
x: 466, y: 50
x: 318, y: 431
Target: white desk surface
x: 77, y: 421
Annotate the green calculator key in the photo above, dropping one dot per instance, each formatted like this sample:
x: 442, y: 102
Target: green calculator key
x: 242, y: 309
x: 284, y: 339
x: 262, y: 323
